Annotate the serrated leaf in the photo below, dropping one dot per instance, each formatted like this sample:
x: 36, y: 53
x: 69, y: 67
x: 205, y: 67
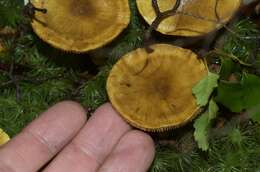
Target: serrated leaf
x: 202, y: 124
x: 240, y: 96
x: 204, y: 88
x: 212, y: 110
x: 200, y: 133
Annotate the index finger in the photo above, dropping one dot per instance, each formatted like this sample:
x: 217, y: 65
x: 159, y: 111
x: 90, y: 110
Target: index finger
x: 43, y: 138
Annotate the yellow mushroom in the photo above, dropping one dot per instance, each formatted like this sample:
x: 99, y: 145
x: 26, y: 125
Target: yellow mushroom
x: 3, y: 137
x: 193, y: 18
x: 153, y: 91
x: 80, y: 25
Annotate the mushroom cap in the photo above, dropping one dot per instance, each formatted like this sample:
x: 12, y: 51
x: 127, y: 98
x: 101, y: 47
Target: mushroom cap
x: 80, y: 25
x: 153, y: 91
x: 200, y: 16
x: 3, y: 137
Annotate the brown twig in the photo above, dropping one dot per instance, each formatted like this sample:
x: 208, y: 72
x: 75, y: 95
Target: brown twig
x: 216, y: 10
x: 14, y: 81
x: 233, y: 57
x: 30, y: 10
x: 160, y: 16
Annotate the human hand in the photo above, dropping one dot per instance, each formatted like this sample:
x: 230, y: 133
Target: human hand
x: 61, y: 138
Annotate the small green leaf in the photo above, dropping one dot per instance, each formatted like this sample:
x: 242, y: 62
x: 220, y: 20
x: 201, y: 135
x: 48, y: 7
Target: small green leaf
x: 204, y: 88
x: 200, y: 133
x: 213, y: 109
x: 202, y: 125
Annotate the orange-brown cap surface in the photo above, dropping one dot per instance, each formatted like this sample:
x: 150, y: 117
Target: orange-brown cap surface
x: 197, y: 17
x: 153, y: 91
x: 80, y: 25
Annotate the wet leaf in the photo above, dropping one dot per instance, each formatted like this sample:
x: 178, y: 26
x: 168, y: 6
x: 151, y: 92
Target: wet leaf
x: 204, y: 88
x: 202, y: 124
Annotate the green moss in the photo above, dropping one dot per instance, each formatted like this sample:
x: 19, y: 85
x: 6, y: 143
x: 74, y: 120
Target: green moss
x: 42, y: 82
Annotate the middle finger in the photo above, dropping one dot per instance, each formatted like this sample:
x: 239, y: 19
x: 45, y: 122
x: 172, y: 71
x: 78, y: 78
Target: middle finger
x: 93, y: 144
